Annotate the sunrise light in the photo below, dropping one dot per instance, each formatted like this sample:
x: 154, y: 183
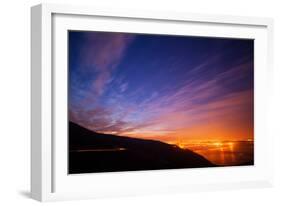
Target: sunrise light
x: 193, y: 92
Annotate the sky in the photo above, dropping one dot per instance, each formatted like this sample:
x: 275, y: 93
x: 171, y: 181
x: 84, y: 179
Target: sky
x: 163, y: 87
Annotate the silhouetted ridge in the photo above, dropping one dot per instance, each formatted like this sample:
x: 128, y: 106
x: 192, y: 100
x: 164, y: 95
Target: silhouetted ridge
x: 95, y: 152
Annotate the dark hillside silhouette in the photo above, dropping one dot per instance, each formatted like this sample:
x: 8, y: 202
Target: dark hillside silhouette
x: 95, y: 152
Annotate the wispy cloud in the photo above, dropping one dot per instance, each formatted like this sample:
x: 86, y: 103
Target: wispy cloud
x: 100, y: 54
x: 193, y: 104
x: 205, y: 100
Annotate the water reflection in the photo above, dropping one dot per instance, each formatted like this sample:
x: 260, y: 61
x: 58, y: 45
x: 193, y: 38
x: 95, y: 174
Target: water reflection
x: 225, y: 153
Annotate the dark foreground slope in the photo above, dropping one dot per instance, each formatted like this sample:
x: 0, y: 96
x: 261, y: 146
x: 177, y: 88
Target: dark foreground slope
x: 94, y: 152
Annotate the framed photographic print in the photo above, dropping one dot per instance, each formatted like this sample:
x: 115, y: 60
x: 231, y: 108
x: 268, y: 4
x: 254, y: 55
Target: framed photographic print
x: 136, y: 102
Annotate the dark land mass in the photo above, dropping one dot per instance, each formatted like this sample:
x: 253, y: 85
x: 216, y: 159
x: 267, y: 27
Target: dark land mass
x: 91, y: 152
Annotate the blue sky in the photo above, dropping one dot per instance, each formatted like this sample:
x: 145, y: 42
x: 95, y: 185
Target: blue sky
x: 160, y: 86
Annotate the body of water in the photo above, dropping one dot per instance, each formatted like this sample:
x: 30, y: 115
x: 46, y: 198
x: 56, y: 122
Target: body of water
x: 226, y: 153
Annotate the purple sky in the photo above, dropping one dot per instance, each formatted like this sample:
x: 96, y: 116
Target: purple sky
x: 161, y: 87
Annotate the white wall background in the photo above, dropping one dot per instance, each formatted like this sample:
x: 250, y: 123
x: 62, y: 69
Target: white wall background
x: 15, y: 101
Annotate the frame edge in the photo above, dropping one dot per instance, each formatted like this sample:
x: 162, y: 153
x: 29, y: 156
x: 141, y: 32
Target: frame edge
x: 36, y: 102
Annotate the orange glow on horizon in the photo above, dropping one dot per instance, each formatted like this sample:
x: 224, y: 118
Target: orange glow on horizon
x: 227, y: 119
x: 221, y: 152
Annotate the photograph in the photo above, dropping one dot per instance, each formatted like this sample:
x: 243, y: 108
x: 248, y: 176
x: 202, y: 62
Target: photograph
x: 139, y: 101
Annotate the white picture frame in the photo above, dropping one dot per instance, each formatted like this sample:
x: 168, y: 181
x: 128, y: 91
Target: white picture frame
x: 49, y: 178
